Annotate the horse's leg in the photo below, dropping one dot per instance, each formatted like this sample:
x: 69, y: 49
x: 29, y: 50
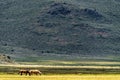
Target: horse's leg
x: 26, y: 73
x: 39, y: 73
x: 29, y: 74
x: 35, y: 73
x: 21, y: 73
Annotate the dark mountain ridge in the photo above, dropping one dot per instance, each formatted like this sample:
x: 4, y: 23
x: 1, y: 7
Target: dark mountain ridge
x: 59, y: 27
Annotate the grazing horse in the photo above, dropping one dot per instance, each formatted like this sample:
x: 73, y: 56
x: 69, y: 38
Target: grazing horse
x: 21, y: 72
x: 35, y: 72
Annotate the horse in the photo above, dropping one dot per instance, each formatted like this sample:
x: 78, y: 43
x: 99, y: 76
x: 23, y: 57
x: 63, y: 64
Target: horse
x: 35, y: 72
x: 23, y: 71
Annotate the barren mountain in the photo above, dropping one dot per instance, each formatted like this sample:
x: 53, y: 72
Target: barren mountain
x: 31, y: 28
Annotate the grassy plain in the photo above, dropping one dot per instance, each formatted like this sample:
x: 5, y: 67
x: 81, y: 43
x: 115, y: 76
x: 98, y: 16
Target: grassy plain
x: 65, y: 67
x: 64, y: 70
x: 61, y: 77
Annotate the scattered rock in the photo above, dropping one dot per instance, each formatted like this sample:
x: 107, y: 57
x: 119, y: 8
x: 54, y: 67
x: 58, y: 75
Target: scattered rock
x: 65, y: 9
x: 91, y: 13
x: 59, y: 9
x: 4, y: 59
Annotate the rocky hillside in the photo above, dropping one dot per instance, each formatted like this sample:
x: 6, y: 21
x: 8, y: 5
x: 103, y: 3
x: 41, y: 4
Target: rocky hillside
x: 5, y: 59
x: 75, y: 27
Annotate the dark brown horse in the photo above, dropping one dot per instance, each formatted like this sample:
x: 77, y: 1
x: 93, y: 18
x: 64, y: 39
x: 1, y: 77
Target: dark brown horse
x: 23, y: 71
x: 31, y: 72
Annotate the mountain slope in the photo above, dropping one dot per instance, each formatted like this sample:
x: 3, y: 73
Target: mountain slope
x: 77, y: 27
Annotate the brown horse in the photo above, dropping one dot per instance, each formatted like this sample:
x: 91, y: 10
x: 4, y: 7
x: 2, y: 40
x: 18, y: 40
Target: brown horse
x: 31, y: 72
x: 21, y: 72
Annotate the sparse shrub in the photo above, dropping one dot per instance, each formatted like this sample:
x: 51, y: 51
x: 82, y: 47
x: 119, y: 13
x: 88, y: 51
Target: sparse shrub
x: 12, y: 50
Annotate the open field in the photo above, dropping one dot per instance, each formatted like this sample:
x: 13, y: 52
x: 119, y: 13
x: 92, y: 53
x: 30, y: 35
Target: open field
x: 61, y: 77
x: 60, y: 69
x: 49, y: 72
x: 86, y: 70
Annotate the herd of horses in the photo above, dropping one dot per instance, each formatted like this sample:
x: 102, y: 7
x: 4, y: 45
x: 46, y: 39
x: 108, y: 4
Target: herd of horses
x: 29, y: 72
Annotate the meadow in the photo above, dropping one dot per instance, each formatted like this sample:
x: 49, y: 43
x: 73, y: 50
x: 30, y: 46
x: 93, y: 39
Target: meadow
x: 64, y: 70
x: 61, y: 77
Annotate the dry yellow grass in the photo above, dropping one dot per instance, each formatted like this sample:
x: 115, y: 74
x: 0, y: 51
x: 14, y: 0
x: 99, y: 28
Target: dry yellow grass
x: 60, y: 77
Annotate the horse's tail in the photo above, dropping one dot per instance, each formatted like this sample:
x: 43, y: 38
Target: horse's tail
x: 19, y: 72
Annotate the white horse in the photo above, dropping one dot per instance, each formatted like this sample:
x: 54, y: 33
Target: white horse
x: 35, y: 72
